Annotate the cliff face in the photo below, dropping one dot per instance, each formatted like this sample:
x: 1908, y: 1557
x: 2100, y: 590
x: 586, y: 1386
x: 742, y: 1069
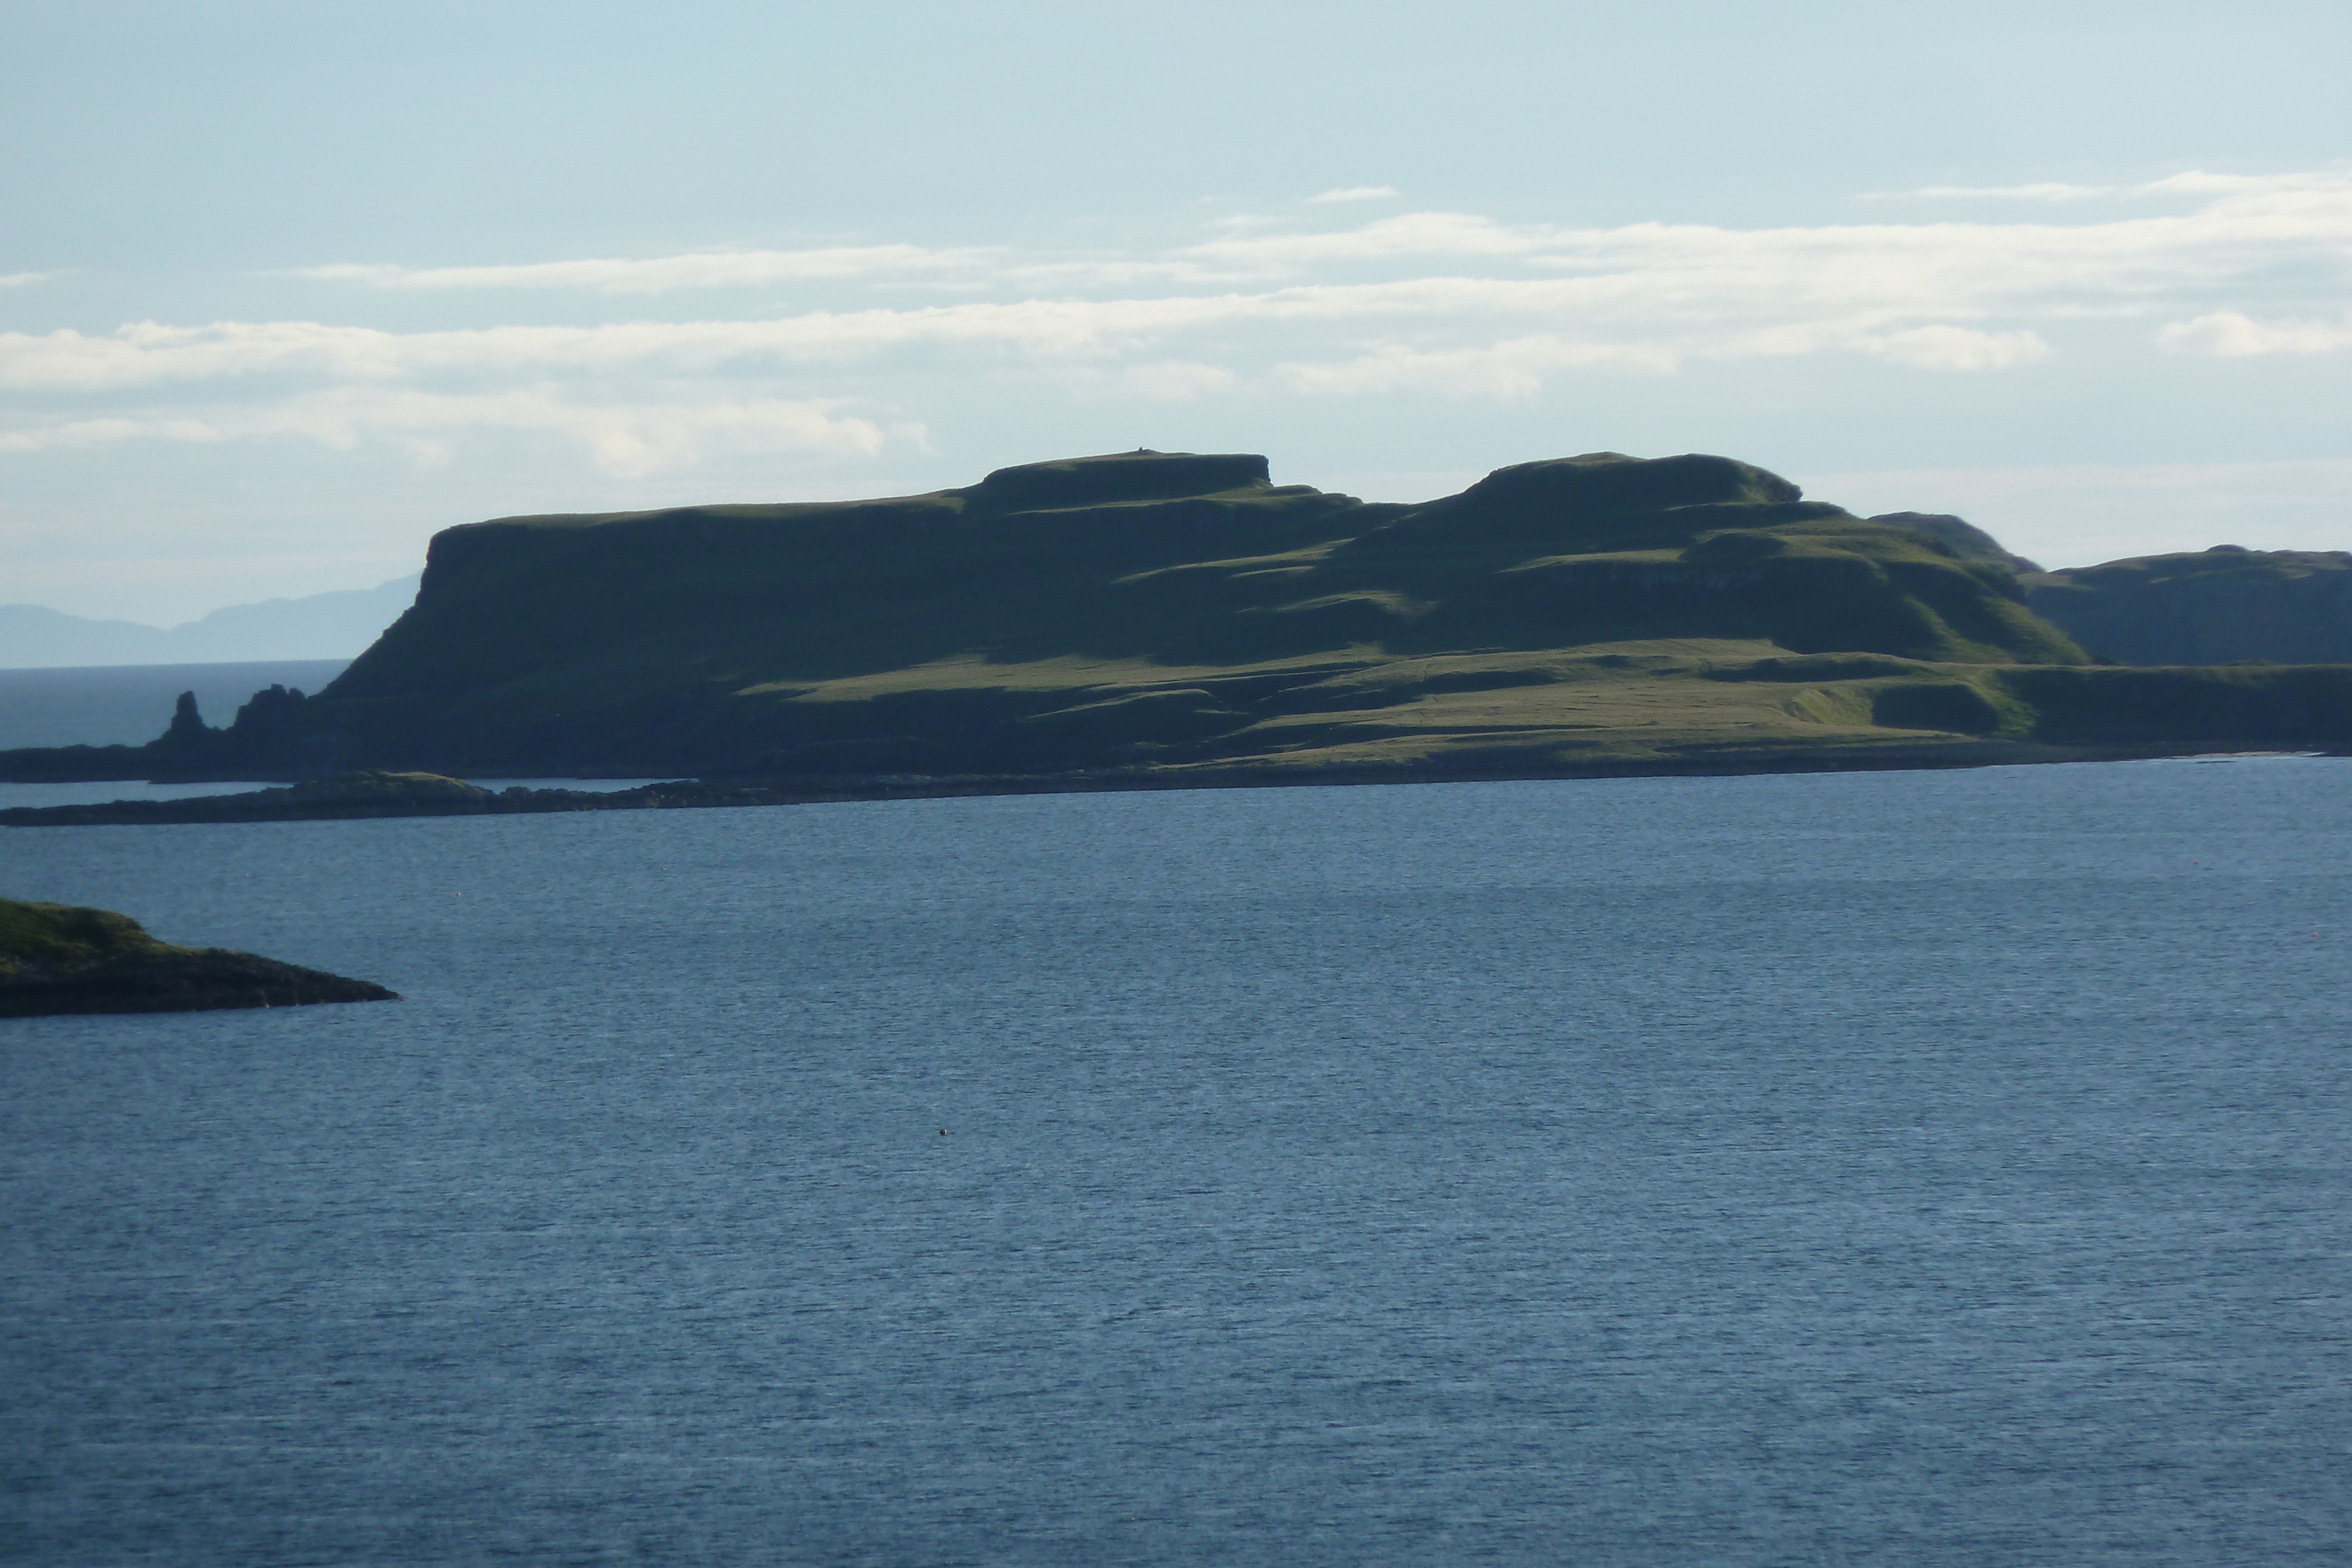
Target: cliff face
x: 2213, y: 607
x: 1138, y: 608
x: 1181, y: 616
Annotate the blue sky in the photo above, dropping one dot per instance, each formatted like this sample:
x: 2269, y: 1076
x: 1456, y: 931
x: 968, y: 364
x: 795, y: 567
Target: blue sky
x: 286, y: 288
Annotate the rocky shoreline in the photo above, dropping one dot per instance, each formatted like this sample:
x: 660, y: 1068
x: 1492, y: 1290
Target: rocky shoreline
x: 362, y: 796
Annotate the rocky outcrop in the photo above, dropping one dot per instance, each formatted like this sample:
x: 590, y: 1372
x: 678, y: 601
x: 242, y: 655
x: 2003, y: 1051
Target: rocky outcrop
x: 62, y: 958
x: 266, y: 729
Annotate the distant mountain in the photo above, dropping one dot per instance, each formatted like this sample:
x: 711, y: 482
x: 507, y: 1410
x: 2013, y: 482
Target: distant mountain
x: 336, y: 625
x: 2220, y: 606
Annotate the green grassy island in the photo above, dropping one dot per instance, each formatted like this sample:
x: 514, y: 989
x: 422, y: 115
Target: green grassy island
x: 1156, y: 618
x: 57, y: 958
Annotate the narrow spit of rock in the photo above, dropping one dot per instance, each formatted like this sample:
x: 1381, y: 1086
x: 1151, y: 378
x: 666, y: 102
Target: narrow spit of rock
x: 60, y: 958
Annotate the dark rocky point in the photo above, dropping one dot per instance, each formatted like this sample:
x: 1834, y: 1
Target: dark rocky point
x: 60, y: 958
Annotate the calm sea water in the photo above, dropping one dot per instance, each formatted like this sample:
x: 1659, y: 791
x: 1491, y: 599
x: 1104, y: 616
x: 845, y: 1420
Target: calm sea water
x: 131, y: 705
x: 1907, y: 1168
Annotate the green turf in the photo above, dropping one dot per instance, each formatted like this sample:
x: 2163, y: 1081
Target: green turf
x: 49, y: 936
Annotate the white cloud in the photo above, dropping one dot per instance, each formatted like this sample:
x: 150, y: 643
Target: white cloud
x: 1407, y: 234
x: 1958, y: 348
x: 151, y: 353
x: 2047, y: 190
x: 620, y: 439
x: 1629, y: 321
x: 1174, y: 381
x: 105, y: 431
x: 2204, y: 183
x: 2233, y: 334
x: 1447, y: 304
x: 2298, y: 217
x: 662, y: 275
x: 25, y: 280
x: 1358, y: 193
x: 1508, y: 371
x: 2191, y: 182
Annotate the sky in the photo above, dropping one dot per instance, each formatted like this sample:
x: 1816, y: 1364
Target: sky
x: 285, y: 289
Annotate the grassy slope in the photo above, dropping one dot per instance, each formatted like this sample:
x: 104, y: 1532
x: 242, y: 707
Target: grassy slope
x: 50, y: 937
x: 1096, y: 613
x: 2209, y: 607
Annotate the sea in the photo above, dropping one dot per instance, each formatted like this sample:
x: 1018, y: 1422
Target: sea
x: 131, y: 705
x: 1892, y: 1168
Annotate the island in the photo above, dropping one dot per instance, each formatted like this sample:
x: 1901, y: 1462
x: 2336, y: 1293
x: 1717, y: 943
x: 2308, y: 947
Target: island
x: 1175, y: 620
x: 62, y: 958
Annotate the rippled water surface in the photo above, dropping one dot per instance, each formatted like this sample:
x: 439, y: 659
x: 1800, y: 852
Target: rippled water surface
x: 1901, y: 1168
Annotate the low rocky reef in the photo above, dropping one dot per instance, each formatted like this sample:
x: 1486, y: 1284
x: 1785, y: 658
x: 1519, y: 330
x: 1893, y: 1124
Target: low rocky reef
x: 378, y: 795
x: 62, y: 958
x: 367, y: 794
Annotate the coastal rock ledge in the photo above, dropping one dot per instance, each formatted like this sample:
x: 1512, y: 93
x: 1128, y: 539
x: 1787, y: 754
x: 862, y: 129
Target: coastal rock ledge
x: 57, y: 958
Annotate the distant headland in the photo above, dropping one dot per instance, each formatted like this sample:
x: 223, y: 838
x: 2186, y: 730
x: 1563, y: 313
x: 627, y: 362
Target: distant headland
x: 1153, y: 620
